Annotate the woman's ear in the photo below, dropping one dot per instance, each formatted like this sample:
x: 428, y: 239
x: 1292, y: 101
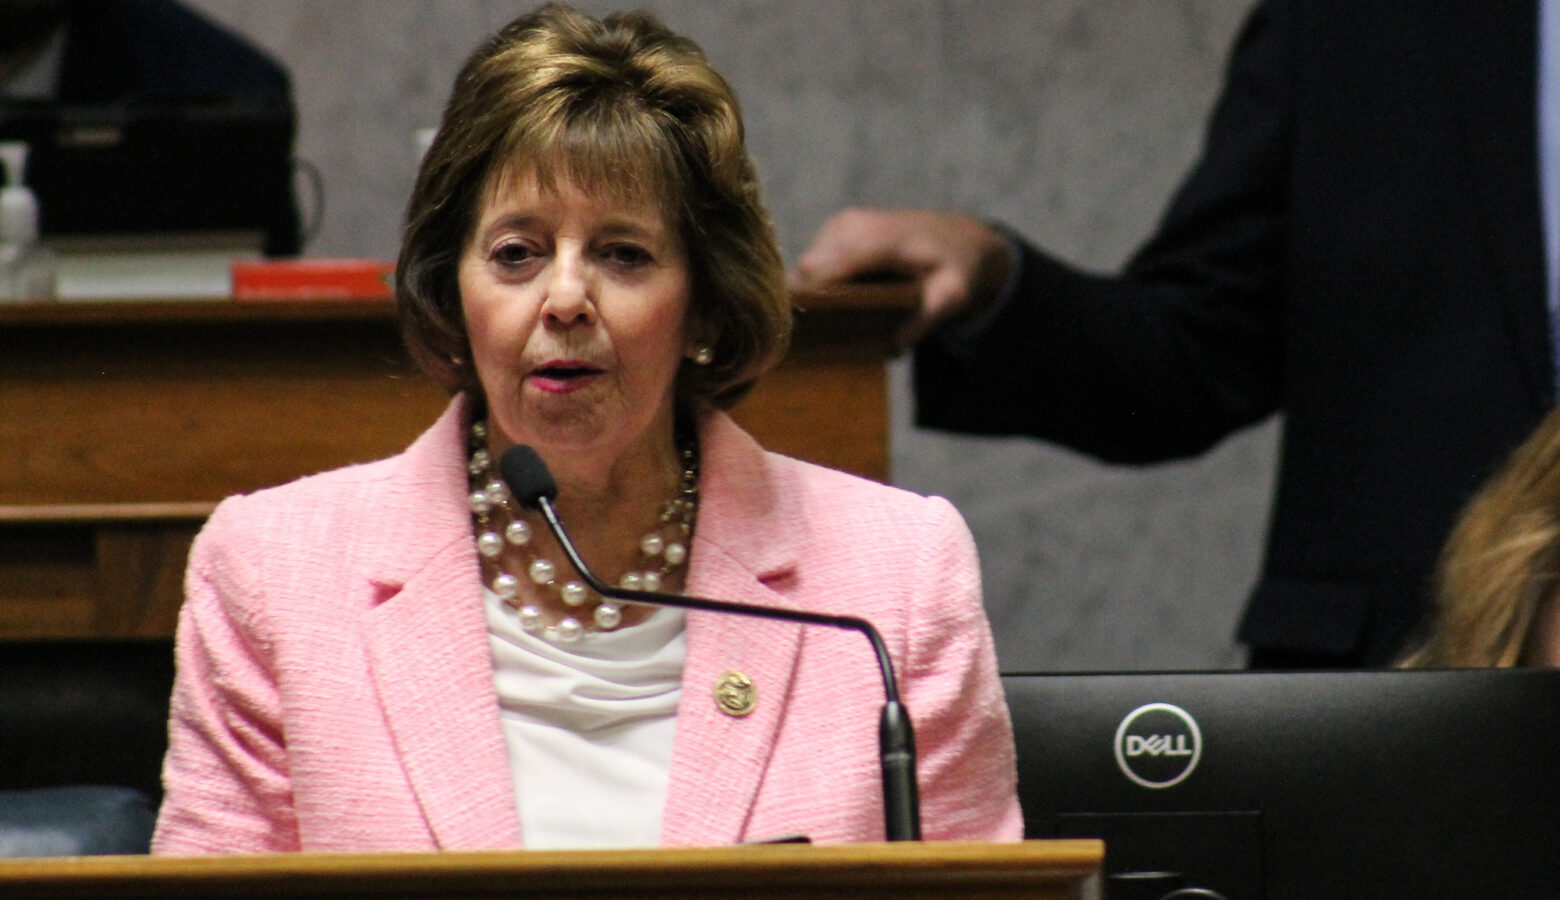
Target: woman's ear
x: 701, y: 344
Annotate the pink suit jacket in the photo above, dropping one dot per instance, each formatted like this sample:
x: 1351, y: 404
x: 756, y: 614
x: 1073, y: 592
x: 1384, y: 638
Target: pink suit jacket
x: 335, y: 692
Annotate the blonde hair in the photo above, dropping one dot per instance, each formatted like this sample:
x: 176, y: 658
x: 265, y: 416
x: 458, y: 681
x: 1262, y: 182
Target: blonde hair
x: 1501, y: 564
x: 619, y: 107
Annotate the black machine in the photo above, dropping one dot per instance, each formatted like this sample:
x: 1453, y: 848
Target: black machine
x: 1300, y: 786
x: 158, y: 125
x: 186, y: 167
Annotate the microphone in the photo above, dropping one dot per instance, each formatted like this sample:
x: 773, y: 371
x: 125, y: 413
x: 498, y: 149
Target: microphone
x: 533, y: 486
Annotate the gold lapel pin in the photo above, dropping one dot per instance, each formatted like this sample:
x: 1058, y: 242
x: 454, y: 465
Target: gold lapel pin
x: 735, y: 693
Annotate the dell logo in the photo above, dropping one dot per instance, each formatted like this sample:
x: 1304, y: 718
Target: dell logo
x: 1158, y: 745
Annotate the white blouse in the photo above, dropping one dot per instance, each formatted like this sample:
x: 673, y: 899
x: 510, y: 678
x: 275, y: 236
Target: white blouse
x: 589, y: 728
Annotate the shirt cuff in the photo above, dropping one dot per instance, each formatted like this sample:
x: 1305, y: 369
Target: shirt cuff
x: 960, y: 337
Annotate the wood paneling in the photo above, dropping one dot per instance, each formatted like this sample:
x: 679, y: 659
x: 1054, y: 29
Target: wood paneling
x: 122, y: 424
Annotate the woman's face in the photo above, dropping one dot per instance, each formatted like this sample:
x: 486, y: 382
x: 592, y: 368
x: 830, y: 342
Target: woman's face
x: 576, y: 309
x: 1544, y: 644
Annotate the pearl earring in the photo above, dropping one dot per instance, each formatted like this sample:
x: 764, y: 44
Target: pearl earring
x: 703, y: 354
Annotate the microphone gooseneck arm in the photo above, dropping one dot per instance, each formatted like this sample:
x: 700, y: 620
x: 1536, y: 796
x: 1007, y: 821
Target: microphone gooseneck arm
x: 890, y: 685
x: 533, y: 486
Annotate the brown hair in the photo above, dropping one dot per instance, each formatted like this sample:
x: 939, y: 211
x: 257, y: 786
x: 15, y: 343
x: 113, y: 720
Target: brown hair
x: 620, y: 107
x: 1501, y: 564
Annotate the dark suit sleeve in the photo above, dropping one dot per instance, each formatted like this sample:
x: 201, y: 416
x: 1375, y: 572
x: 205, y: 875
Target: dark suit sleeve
x: 1181, y: 348
x: 159, y: 50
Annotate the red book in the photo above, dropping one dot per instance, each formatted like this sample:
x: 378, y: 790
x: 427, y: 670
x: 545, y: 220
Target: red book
x: 313, y: 279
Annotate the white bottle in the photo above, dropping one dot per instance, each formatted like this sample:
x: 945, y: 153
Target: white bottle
x: 26, y: 266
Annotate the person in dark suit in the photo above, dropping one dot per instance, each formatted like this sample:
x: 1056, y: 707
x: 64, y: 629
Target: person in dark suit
x: 104, y: 51
x: 102, y: 60
x: 1360, y: 247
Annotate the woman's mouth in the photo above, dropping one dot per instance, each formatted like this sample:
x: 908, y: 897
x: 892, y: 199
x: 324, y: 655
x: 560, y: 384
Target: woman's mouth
x: 562, y: 376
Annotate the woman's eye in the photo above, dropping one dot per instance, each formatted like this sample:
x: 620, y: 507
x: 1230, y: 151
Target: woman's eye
x: 628, y: 255
x: 511, y: 254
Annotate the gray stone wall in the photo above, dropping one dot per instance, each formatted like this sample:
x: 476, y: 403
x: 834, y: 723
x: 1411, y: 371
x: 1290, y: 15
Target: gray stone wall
x: 1070, y: 120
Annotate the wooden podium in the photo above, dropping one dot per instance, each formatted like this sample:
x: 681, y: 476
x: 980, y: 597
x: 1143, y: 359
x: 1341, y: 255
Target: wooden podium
x: 1043, y: 870
x: 123, y: 423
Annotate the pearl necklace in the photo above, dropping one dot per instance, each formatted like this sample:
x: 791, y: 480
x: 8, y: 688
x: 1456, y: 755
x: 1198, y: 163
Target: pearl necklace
x: 499, y: 527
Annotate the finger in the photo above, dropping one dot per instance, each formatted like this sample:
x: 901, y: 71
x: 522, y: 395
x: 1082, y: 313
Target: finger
x: 944, y: 295
x: 854, y: 244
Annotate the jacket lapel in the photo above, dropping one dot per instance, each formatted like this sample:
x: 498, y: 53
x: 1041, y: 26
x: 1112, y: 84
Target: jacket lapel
x: 428, y: 649
x: 745, y: 542
x: 719, y: 760
x: 1494, y: 57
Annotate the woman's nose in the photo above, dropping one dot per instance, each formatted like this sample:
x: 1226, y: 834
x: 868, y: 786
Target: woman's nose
x: 569, y: 300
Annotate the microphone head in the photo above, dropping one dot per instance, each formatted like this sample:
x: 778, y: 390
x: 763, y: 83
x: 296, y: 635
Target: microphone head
x: 527, y: 476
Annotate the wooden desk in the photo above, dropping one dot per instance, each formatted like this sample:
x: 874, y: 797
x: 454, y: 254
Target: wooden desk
x: 123, y: 423
x: 1039, y: 870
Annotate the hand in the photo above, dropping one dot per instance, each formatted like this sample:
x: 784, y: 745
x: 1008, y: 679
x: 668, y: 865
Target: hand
x: 959, y: 262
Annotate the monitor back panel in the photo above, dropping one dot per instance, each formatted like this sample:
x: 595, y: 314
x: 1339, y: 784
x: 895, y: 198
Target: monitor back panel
x: 1296, y: 786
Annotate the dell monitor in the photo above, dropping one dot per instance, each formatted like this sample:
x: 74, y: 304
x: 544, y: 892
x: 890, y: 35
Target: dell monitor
x: 1386, y: 785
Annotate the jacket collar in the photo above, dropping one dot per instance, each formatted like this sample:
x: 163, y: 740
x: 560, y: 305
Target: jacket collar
x: 747, y: 510
x: 428, y: 645
x: 746, y: 548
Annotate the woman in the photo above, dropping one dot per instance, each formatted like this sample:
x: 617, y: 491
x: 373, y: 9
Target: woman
x: 392, y: 657
x: 1499, y: 572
